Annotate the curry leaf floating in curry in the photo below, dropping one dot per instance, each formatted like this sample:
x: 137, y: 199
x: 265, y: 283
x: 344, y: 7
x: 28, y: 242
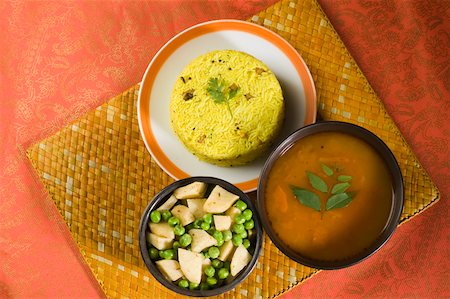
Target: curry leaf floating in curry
x: 339, y: 200
x: 307, y: 198
x: 344, y: 178
x: 317, y: 182
x: 338, y: 197
x: 328, y: 171
x: 340, y: 188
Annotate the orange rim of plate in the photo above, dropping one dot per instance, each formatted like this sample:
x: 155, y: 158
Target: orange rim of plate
x: 183, y: 37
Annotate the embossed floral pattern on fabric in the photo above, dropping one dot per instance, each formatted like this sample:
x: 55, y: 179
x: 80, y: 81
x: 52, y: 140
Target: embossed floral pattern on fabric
x: 59, y: 60
x: 403, y: 48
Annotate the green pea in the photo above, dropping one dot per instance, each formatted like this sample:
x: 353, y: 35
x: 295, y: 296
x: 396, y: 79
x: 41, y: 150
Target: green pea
x: 249, y: 224
x: 207, y: 218
x: 161, y: 254
x: 240, y: 205
x: 227, y: 265
x: 246, y: 243
x: 223, y: 273
x: 243, y: 234
x: 184, y: 283
x: 211, y: 230
x: 239, y: 219
x: 197, y: 223
x: 237, y: 240
x: 154, y: 253
x: 220, y: 242
x: 173, y: 221
x: 185, y: 240
x: 166, y: 215
x: 204, y: 286
x: 179, y: 230
x: 211, y: 281
x: 217, y: 263
x: 218, y: 235
x: 213, y: 252
x: 205, y: 226
x: 155, y: 216
x: 193, y: 285
x: 169, y: 254
x: 206, y: 254
x: 247, y: 213
x: 227, y: 235
x: 210, y: 271
x: 176, y: 245
x: 238, y: 228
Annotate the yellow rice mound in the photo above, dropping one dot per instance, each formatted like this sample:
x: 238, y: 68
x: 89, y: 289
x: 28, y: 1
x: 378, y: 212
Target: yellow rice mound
x: 226, y: 107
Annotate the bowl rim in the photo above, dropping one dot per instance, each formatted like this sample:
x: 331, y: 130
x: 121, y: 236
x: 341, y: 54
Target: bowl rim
x: 397, y: 183
x: 163, y: 195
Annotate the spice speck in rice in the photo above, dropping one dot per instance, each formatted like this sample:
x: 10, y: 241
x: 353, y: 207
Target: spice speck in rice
x: 226, y: 107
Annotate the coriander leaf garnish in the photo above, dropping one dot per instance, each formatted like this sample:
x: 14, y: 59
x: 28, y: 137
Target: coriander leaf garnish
x: 233, y: 89
x: 339, y: 188
x: 215, y: 89
x: 338, y: 201
x: 328, y: 171
x: 307, y: 198
x: 220, y: 93
x: 317, y: 182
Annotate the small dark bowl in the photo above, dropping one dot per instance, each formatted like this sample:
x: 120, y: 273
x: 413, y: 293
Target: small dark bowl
x: 161, y: 197
x: 386, y: 155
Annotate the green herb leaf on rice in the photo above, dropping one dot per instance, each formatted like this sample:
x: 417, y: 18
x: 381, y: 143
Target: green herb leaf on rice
x: 233, y: 90
x: 216, y: 89
x: 220, y: 93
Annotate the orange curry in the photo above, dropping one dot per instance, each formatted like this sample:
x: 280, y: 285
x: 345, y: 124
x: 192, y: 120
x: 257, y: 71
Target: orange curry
x: 342, y: 232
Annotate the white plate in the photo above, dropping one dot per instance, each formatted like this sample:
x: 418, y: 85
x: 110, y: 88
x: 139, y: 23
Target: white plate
x: 164, y: 69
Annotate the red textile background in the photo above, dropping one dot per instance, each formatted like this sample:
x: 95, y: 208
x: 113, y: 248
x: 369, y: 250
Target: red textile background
x: 60, y: 59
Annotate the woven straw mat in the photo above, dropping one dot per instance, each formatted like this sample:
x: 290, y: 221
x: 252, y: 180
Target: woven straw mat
x: 101, y: 177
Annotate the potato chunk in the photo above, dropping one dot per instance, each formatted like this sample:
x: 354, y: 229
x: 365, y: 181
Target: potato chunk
x: 219, y: 200
x: 195, y: 205
x: 201, y: 240
x: 193, y: 190
x: 232, y: 212
x: 158, y: 242
x: 222, y: 222
x: 241, y: 258
x: 226, y: 250
x: 184, y: 214
x: 162, y: 230
x: 170, y: 269
x: 191, y: 264
x: 168, y: 204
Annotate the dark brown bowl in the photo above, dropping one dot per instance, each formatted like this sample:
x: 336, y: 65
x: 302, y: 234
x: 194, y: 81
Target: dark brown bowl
x: 161, y: 197
x: 383, y: 151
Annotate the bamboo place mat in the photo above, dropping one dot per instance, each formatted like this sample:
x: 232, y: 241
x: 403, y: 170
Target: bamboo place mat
x: 101, y: 177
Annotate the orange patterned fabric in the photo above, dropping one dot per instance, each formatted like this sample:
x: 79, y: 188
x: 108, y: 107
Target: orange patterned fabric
x: 60, y: 59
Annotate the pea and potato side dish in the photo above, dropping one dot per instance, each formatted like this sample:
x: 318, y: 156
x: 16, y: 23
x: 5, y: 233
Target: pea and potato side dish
x: 201, y: 241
